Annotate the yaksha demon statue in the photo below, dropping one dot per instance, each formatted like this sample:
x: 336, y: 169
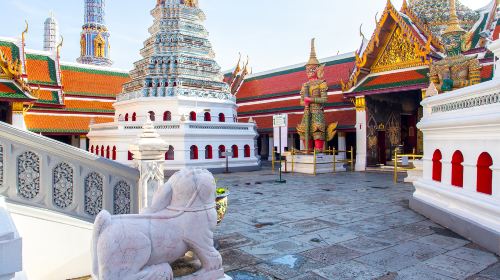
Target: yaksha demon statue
x: 455, y: 70
x: 313, y: 96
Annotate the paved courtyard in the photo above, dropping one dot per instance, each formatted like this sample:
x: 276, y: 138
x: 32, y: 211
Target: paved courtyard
x: 338, y: 226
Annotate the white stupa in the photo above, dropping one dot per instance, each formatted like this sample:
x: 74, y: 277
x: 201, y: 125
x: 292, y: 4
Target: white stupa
x: 178, y: 84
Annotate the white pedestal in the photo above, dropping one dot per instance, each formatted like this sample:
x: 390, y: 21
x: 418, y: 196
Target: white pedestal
x: 10, y: 245
x: 416, y: 173
x: 305, y: 164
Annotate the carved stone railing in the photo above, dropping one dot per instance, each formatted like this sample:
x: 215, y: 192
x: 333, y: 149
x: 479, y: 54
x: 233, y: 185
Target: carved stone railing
x: 172, y: 125
x: 477, y: 101
x: 41, y: 172
x: 470, y: 99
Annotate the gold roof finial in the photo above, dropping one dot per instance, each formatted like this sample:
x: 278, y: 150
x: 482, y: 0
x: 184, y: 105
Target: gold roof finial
x: 313, y: 60
x: 453, y: 23
x: 23, y: 35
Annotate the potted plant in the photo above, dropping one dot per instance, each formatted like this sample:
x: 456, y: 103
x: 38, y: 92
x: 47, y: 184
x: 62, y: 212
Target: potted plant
x: 221, y: 203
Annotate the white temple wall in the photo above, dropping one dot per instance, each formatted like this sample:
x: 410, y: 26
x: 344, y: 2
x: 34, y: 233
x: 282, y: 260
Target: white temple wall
x: 177, y: 106
x: 55, y: 246
x: 465, y: 120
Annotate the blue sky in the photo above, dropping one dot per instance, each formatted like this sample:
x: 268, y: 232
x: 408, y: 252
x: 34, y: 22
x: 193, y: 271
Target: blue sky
x: 274, y: 33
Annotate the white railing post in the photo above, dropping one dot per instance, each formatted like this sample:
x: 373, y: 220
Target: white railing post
x: 149, y: 155
x: 10, y: 244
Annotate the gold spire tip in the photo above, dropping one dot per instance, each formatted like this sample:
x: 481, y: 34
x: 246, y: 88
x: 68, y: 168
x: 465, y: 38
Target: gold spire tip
x: 313, y: 59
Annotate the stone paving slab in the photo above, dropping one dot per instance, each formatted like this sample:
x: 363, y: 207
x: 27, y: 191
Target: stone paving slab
x: 453, y: 267
x: 288, y: 266
x: 338, y: 226
x: 350, y: 270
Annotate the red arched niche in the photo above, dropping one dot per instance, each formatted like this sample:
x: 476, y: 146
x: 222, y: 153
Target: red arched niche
x: 194, y: 152
x: 485, y: 174
x: 234, y: 149
x: 192, y: 116
x: 457, y: 170
x: 208, y: 152
x: 247, y: 151
x: 437, y: 166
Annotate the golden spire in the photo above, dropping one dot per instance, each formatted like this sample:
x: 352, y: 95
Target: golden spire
x: 313, y: 60
x: 453, y: 23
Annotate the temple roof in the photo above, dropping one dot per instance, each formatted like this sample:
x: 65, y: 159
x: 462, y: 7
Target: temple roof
x: 396, y: 81
x: 9, y: 89
x: 288, y: 80
x: 68, y: 95
x: 62, y: 124
x: 419, y: 23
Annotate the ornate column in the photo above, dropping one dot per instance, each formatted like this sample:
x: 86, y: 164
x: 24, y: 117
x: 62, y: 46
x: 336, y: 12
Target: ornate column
x: 360, y: 133
x: 18, y: 115
x: 342, y: 145
x: 83, y: 142
x: 149, y: 155
x: 495, y: 48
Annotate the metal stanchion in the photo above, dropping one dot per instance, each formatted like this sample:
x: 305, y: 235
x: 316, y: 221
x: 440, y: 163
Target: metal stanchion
x: 334, y: 160
x: 272, y: 160
x: 314, y: 162
x: 352, y: 159
x: 395, y: 166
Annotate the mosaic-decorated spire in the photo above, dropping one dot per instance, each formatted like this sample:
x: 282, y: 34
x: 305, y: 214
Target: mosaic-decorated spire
x: 178, y: 59
x: 51, y: 34
x: 436, y: 14
x: 94, y: 40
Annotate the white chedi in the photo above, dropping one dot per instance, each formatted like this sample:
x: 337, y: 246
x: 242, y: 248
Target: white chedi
x: 182, y: 218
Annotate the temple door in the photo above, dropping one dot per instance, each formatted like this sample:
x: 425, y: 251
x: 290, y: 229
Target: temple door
x: 382, y: 157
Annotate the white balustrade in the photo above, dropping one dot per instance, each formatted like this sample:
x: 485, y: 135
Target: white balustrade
x: 40, y: 172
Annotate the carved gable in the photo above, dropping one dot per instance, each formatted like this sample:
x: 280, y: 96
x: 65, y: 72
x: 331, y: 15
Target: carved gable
x: 399, y: 52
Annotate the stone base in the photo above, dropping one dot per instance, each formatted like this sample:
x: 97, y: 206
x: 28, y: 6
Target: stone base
x: 478, y: 233
x: 416, y: 173
x: 226, y: 277
x: 305, y: 164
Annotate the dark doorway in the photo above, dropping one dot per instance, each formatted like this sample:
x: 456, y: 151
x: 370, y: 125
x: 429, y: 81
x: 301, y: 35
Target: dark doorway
x: 382, y: 156
x: 5, y: 112
x: 409, y: 133
x: 66, y: 139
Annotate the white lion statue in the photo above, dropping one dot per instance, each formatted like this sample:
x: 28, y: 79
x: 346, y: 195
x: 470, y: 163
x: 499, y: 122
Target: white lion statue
x: 182, y: 217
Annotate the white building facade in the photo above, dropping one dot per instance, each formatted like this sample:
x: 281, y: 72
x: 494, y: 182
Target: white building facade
x: 460, y: 188
x: 179, y: 86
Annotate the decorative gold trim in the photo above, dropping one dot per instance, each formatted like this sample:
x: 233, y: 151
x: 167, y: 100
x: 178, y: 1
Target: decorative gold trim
x: 374, y: 43
x: 99, y: 45
x: 360, y: 103
x: 17, y: 107
x: 399, y: 52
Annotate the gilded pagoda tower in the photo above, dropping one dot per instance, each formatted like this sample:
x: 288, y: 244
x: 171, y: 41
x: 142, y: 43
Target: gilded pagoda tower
x: 94, y: 39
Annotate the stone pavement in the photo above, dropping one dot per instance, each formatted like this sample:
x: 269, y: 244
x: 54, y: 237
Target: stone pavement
x: 338, y: 226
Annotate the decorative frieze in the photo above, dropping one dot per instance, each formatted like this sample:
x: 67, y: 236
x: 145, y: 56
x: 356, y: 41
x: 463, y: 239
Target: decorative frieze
x: 62, y: 185
x: 93, y: 193
x: 121, y: 198
x: 493, y: 98
x: 28, y: 175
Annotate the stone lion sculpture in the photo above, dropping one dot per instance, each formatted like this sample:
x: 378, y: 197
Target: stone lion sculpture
x: 182, y: 217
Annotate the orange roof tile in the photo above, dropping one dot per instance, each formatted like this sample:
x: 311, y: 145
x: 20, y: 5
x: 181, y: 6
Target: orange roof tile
x: 38, y: 71
x: 11, y: 50
x: 82, y: 81
x: 61, y: 124
x: 84, y: 104
x: 48, y: 97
